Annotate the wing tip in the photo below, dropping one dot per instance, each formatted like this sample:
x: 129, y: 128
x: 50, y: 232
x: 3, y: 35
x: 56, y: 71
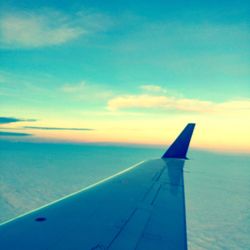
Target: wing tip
x: 179, y: 147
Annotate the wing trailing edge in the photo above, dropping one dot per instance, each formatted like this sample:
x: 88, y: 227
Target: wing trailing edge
x: 180, y: 146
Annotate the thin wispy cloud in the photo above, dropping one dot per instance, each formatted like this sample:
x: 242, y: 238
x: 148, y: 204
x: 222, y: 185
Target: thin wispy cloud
x: 4, y: 120
x: 153, y: 88
x: 86, y: 91
x: 58, y: 128
x: 4, y: 133
x: 33, y: 29
x: 74, y: 88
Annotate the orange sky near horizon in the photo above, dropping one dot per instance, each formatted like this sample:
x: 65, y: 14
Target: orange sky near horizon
x: 212, y: 132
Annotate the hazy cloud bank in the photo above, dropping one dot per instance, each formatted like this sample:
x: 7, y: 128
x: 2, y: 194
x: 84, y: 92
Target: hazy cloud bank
x: 4, y: 120
x: 5, y: 133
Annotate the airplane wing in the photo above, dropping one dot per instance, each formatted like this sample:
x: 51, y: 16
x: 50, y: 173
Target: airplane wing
x: 142, y: 207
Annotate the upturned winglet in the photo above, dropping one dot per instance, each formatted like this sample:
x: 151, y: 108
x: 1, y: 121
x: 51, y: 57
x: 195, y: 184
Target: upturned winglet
x: 180, y: 146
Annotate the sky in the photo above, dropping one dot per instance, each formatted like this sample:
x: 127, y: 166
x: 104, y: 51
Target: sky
x: 129, y: 72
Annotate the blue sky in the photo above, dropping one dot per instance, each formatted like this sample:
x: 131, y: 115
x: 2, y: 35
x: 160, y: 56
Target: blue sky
x: 114, y: 65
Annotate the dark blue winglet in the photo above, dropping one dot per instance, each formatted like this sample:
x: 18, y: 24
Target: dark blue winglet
x: 179, y: 147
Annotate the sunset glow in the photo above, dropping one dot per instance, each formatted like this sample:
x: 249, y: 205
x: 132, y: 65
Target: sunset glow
x: 88, y: 72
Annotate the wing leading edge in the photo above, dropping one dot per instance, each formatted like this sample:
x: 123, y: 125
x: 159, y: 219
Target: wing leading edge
x: 142, y: 208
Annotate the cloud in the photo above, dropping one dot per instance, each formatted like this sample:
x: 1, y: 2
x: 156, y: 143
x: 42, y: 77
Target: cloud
x: 157, y: 101
x: 4, y: 133
x: 33, y: 29
x: 74, y: 88
x: 238, y: 106
x: 4, y: 120
x: 162, y: 102
x: 152, y: 88
x: 58, y: 128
